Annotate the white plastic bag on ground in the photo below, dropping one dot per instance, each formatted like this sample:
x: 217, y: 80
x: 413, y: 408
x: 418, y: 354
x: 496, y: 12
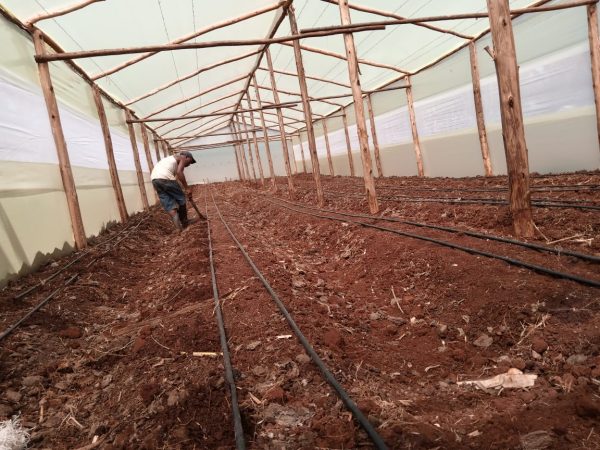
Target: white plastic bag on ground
x: 12, y: 435
x: 513, y: 379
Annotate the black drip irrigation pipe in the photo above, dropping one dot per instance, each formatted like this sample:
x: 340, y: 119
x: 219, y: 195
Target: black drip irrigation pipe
x: 14, y: 326
x: 491, y: 237
x: 534, y: 188
x: 536, y: 203
x: 512, y: 261
x: 23, y: 294
x: 240, y: 442
x: 358, y: 415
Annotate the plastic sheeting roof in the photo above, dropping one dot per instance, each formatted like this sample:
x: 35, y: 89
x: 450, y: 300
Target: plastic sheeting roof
x: 130, y: 23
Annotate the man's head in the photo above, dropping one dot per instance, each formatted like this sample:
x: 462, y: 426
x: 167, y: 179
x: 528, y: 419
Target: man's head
x: 189, y: 159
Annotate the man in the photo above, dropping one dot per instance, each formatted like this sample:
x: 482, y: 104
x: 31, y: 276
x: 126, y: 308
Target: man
x: 164, y: 178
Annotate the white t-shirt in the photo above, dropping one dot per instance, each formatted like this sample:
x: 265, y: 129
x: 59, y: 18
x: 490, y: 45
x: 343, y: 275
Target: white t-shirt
x: 165, y: 169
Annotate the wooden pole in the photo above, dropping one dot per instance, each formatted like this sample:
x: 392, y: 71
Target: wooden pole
x: 310, y: 132
x: 326, y: 136
x: 136, y: 160
x: 199, y: 94
x: 265, y: 133
x: 483, y: 141
x: 323, y: 80
x: 237, y: 155
x: 256, y: 149
x: 215, y: 114
x: 249, y: 147
x: 211, y: 44
x: 61, y: 12
x: 415, y: 132
x: 148, y: 155
x: 359, y: 110
x: 147, y: 147
x: 190, y: 75
x: 194, y: 35
x: 513, y: 130
x: 284, y: 146
x: 302, y: 153
x: 196, y: 109
x: 592, y: 15
x: 418, y: 20
x: 342, y: 57
x: 156, y: 147
x: 242, y: 152
x: 164, y: 149
x: 348, y: 145
x: 396, y: 16
x: 110, y: 156
x: 60, y: 143
x: 374, y: 136
x: 294, y: 156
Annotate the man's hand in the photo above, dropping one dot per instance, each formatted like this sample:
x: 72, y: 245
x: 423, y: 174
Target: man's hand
x: 188, y: 192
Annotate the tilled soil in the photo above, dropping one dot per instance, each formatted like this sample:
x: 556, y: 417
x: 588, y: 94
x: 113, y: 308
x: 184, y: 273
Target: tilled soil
x: 400, y: 323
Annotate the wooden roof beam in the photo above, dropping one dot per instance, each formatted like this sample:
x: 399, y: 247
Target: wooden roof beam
x: 396, y: 16
x: 188, y: 37
x: 190, y: 75
x: 59, y: 12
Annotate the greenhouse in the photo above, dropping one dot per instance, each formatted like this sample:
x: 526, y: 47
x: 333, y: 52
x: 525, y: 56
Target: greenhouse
x: 299, y: 224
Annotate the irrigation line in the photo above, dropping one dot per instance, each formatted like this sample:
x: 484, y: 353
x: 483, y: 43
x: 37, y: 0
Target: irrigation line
x: 545, y: 188
x: 358, y: 415
x: 66, y: 266
x: 536, y: 203
x: 10, y: 329
x: 512, y: 261
x: 240, y: 442
x: 14, y: 326
x: 491, y: 237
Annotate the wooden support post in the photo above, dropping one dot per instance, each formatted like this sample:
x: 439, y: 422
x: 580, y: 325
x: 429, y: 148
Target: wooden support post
x: 249, y: 147
x: 147, y: 147
x: 374, y: 136
x: 302, y: 153
x: 326, y: 136
x: 242, y: 152
x: 348, y: 145
x: 236, y: 151
x: 62, y: 152
x: 310, y: 132
x: 265, y: 133
x: 155, y: 140
x: 284, y: 145
x: 294, y: 156
x: 256, y: 148
x: 110, y: 155
x: 237, y: 161
x: 165, y: 148
x: 359, y: 110
x: 136, y: 160
x: 513, y: 130
x: 413, y: 127
x: 483, y: 141
x: 592, y: 14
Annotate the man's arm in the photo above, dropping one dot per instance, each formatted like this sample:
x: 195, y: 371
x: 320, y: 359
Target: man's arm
x: 181, y: 176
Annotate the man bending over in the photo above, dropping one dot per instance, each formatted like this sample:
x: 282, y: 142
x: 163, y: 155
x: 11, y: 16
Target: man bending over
x: 164, y: 179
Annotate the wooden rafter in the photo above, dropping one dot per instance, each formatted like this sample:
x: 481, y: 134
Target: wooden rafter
x: 396, y: 16
x: 194, y: 35
x: 59, y: 12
